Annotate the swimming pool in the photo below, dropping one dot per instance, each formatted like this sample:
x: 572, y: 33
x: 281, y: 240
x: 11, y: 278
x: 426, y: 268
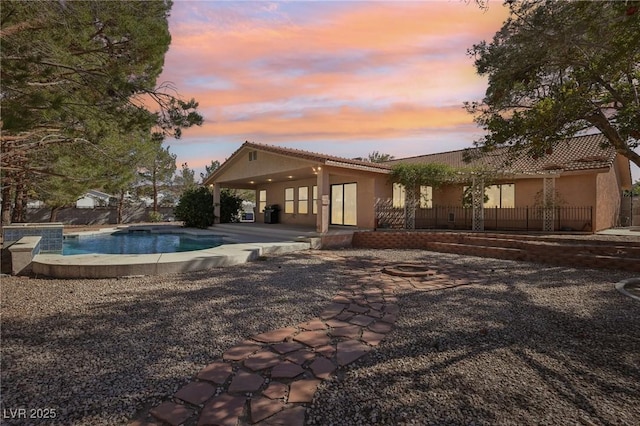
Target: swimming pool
x: 137, y: 242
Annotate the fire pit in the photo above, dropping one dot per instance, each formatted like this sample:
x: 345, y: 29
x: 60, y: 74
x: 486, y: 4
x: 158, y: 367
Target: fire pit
x: 410, y: 270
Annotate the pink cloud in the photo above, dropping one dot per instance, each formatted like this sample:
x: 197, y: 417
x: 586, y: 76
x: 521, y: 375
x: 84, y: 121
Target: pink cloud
x: 328, y: 71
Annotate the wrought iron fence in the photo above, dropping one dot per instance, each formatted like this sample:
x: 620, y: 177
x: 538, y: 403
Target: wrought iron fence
x: 566, y: 218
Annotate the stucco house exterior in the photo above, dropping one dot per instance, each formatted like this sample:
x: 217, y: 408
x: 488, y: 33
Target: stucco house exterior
x: 94, y: 198
x: 321, y: 190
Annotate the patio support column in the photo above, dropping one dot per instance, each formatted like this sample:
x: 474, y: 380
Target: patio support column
x: 216, y: 203
x: 322, y: 218
x: 477, y: 204
x: 548, y: 206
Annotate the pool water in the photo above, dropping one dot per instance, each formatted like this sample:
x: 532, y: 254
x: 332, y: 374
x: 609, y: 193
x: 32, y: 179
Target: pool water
x: 137, y: 243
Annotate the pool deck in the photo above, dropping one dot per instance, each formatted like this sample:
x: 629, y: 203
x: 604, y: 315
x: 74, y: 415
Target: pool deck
x: 243, y: 242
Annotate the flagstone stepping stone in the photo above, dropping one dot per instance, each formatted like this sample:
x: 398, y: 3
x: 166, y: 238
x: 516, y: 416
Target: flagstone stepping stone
x: 275, y: 336
x: 261, y: 408
x: 334, y: 323
x: 390, y: 318
x: 322, y: 368
x: 351, y: 331
x: 332, y: 310
x: 376, y: 306
x: 380, y: 327
x: 303, y: 390
x: 372, y: 338
x: 196, y: 393
x: 239, y: 352
x: 344, y: 316
x: 313, y: 338
x: 286, y: 347
x: 375, y: 314
x: 314, y: 324
x: 223, y: 410
x: 341, y: 299
x: 245, y: 382
x: 350, y: 350
x: 392, y: 309
x: 261, y: 360
x: 276, y: 390
x: 287, y: 370
x: 300, y: 357
x: 326, y: 351
x: 172, y: 413
x: 362, y: 320
x: 377, y: 299
x: 293, y: 416
x: 217, y: 372
x: 357, y: 309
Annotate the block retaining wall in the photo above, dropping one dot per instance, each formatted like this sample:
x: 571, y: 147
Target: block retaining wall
x: 561, y: 252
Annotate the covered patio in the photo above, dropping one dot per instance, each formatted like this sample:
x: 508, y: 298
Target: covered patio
x: 310, y: 189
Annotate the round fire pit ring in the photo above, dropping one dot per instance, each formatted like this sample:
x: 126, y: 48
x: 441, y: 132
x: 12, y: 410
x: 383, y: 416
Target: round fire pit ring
x: 410, y: 270
x: 629, y: 287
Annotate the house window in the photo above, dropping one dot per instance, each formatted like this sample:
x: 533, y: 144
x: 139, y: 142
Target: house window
x: 253, y: 155
x: 398, y: 195
x: 314, y: 204
x: 501, y: 196
x: 288, y: 200
x: 262, y: 200
x: 425, y: 199
x: 303, y: 200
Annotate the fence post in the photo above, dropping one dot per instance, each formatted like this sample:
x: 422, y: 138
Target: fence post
x: 435, y: 225
x: 548, y: 196
x: 477, y: 201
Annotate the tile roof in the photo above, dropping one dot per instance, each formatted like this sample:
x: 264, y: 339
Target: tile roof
x: 575, y: 154
x: 312, y: 156
x: 580, y: 153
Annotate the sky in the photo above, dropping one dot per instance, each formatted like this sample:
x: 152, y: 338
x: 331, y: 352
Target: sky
x: 344, y: 78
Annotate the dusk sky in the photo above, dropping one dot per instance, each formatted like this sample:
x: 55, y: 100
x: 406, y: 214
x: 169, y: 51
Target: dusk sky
x: 343, y: 78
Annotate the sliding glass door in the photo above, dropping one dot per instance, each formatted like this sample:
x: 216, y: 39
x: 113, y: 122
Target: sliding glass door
x: 344, y: 204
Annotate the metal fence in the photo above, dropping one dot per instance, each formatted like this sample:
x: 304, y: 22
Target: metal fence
x: 495, y: 219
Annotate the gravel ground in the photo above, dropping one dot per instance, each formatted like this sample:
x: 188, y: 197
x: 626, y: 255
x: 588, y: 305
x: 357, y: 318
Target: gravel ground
x: 96, y: 351
x: 533, y: 344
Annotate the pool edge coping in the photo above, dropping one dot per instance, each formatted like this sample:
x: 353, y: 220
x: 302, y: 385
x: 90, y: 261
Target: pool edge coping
x: 122, y: 265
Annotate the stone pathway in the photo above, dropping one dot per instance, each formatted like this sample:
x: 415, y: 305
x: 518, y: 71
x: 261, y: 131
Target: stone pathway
x: 271, y: 378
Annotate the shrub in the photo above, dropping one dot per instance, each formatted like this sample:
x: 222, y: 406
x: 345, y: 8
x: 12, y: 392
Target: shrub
x: 195, y: 208
x: 155, y: 217
x: 230, y: 204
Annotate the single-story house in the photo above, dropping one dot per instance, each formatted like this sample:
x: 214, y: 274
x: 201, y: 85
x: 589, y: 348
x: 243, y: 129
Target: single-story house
x: 321, y: 190
x: 94, y: 198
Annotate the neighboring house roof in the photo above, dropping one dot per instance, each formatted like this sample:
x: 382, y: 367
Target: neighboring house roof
x: 580, y: 153
x: 97, y: 194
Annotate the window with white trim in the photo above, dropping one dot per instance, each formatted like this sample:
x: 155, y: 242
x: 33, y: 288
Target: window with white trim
x: 425, y: 198
x: 289, y: 200
x: 262, y: 200
x: 314, y: 203
x: 303, y: 200
x: 501, y: 196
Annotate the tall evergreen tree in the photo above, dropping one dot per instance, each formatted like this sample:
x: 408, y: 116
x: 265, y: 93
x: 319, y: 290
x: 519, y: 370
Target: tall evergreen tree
x: 556, y: 68
x: 76, y: 76
x: 157, y: 174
